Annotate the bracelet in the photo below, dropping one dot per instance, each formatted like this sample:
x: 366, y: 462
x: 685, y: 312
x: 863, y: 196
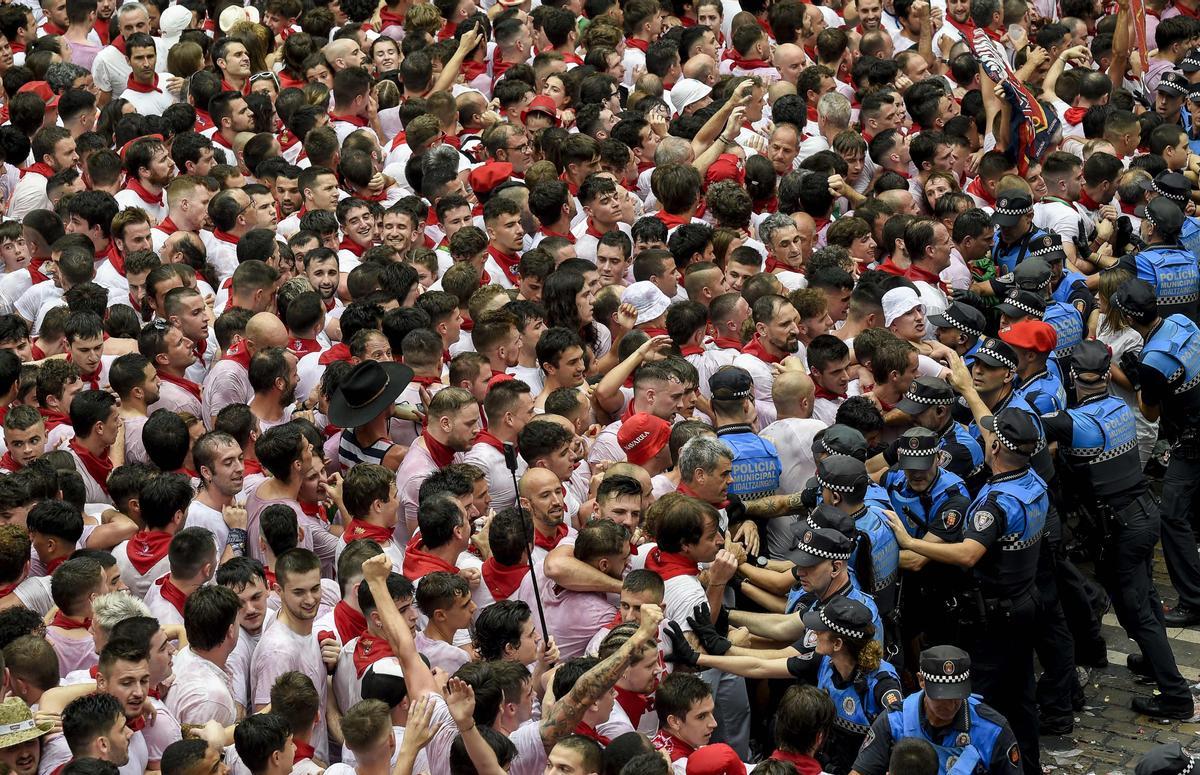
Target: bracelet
x: 468, y: 729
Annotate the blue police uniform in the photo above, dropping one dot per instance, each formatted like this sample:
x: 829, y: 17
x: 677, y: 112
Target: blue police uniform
x: 800, y: 601
x: 1189, y: 235
x: 756, y: 466
x: 1006, y: 257
x: 1067, y: 324
x: 858, y: 703
x: 1007, y: 518
x: 965, y: 455
x: 1175, y: 276
x: 1097, y: 441
x: 1170, y: 376
x: 1044, y: 392
x: 885, y: 555
x: 1071, y: 286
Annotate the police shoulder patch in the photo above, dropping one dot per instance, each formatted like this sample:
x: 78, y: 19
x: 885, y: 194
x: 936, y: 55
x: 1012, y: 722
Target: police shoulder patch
x: 892, y: 699
x: 1014, y: 754
x: 951, y: 519
x: 870, y: 738
x: 983, y: 520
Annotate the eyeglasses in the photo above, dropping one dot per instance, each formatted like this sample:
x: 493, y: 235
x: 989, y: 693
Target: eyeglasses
x: 524, y: 148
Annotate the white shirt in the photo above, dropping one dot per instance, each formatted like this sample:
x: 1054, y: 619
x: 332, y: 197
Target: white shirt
x: 495, y: 470
x: 201, y: 691
x: 279, y: 651
x: 128, y: 198
x: 764, y: 380
x: 29, y: 195
x: 151, y: 102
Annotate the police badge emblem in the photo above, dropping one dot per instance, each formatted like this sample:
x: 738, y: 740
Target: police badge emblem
x: 963, y: 739
x: 948, y: 667
x: 848, y: 705
x: 983, y: 520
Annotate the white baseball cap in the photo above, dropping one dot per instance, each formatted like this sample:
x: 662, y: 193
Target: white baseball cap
x: 898, y: 302
x: 686, y: 91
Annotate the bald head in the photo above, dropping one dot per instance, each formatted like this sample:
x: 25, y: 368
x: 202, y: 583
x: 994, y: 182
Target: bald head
x: 702, y: 68
x: 265, y: 330
x: 558, y: 419
x: 779, y: 89
x: 900, y: 200
x: 343, y: 53
x: 536, y: 479
x: 792, y: 393
x: 789, y: 60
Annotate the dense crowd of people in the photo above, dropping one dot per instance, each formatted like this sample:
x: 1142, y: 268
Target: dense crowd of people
x: 592, y: 387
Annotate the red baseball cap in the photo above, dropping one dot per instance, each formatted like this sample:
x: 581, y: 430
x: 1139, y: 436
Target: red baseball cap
x: 541, y: 104
x: 642, y: 436
x: 1031, y: 335
x: 43, y: 90
x: 715, y: 759
x: 486, y: 177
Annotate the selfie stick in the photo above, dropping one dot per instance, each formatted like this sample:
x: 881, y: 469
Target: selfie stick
x: 510, y: 459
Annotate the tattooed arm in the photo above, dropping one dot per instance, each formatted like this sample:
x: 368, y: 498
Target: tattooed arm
x: 567, y: 712
x: 773, y: 506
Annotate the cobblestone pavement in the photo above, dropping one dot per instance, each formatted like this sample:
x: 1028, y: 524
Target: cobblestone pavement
x: 1108, y: 736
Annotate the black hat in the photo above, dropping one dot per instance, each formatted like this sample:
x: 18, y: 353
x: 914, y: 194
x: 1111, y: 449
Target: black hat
x: 1014, y: 429
x: 1048, y: 247
x: 1194, y: 93
x: 1165, y: 216
x: 828, y: 516
x: 840, y: 440
x: 1136, y: 299
x: 962, y: 316
x: 384, y: 681
x: 1191, y: 61
x: 1011, y: 204
x: 814, y: 547
x: 842, y: 473
x: 843, y: 616
x: 947, y: 673
x: 995, y: 352
x: 1173, y: 83
x: 1020, y: 303
x: 925, y: 392
x: 1032, y: 274
x: 917, y: 448
x: 1166, y: 759
x: 1172, y: 185
x: 1093, y: 358
x: 731, y: 383
x: 369, y: 389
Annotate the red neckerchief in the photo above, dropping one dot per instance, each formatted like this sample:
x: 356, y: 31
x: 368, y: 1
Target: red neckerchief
x: 774, y: 264
x: 146, y: 548
x: 1193, y: 13
x: 114, y: 257
x: 142, y: 88
x: 755, y: 347
x: 418, y: 562
x: 37, y: 275
x: 502, y: 580
x: 251, y: 467
x: 507, y: 263
x: 572, y: 187
x: 1074, y: 115
x: 64, y: 622
x: 684, y: 489
x: 655, y: 331
x: 7, y: 589
x: 472, y: 69
x: 339, y: 352
x: 203, y: 120
x: 227, y: 86
x: 302, y: 347
x: 641, y: 45
x: 499, y: 68
x: 53, y: 29
x: 388, y: 17
x: 820, y: 392
x: 350, y: 624
x: 484, y: 437
x: 812, y: 113
x: 805, y: 765
x: 97, y: 467
x: 728, y: 343
x: 996, y: 36
x: 1086, y: 200
x: 588, y: 731
x: 53, y: 564
x: 137, y: 723
x: 239, y: 355
x: 676, y: 749
x: 634, y: 704
x: 966, y: 28
x: 643, y: 165
x: 53, y: 418
x: 288, y: 81
x: 183, y: 382
x: 691, y: 349
x: 573, y: 59
x: 915, y: 273
x: 671, y: 221
x: 225, y: 236
x: 1126, y: 207
x: 568, y: 236
x: 748, y: 64
x: 428, y: 382
x: 671, y: 564
x: 171, y: 593
x: 592, y: 231
x: 549, y: 542
x: 303, y: 750
x: 357, y: 121
x: 447, y: 31
x: 361, y: 529
x: 41, y: 168
x: 890, y: 267
x: 135, y: 185
x: 220, y: 140
x: 314, y: 509
x: 167, y: 226
x: 976, y: 188
x: 369, y: 650
x: 8, y: 464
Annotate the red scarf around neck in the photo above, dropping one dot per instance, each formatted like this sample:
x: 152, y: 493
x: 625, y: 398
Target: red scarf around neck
x: 302, y: 347
x: 503, y: 580
x: 303, y: 750
x: 64, y: 622
x: 588, y: 731
x: 641, y: 45
x: 976, y: 188
x: 369, y: 650
x: 146, y: 548
x: 549, y: 542
x: 805, y: 765
x: 142, y: 88
x: 239, y: 354
x: 441, y: 454
x: 41, y: 168
x: 671, y: 221
x: 53, y: 418
x: 35, y: 271
x: 820, y: 392
x: 350, y: 624
x: 493, y: 441
x: 635, y: 704
x: 135, y: 185
x: 1074, y: 115
x: 507, y: 263
x: 419, y: 562
x: 357, y: 121
x: 671, y: 564
x: 8, y: 464
x: 742, y: 63
x: 362, y: 529
x: 183, y: 382
x: 676, y: 749
x: 171, y: 593
x: 97, y: 467
x: 755, y: 347
x: 339, y: 352
x: 352, y: 246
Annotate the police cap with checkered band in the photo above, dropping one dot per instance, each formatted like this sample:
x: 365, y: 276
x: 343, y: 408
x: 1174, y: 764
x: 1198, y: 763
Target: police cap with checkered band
x: 841, y: 616
x: 947, y: 673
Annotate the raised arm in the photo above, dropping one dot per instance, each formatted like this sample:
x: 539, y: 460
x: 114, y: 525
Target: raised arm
x: 417, y: 675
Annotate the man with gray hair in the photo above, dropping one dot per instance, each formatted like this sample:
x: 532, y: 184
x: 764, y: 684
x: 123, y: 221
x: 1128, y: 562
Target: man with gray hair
x: 107, y: 612
x: 785, y: 250
x: 110, y: 69
x: 833, y: 117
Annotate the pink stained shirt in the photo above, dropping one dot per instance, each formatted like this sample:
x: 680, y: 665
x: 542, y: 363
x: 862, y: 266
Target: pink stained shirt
x: 254, y: 509
x: 73, y: 653
x: 441, y: 654
x: 416, y: 468
x: 227, y: 383
x: 281, y: 650
x: 135, y: 451
x: 573, y: 617
x: 161, y: 608
x: 201, y: 691
x: 176, y: 399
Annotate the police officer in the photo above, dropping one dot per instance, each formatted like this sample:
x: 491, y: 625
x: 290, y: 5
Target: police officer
x: 1033, y: 341
x: 968, y: 735
x: 931, y: 501
x: 850, y: 668
x: 928, y: 401
x: 1175, y: 187
x: 1169, y: 267
x: 841, y: 440
x: 1166, y: 376
x: 1001, y: 542
x: 1020, y: 304
x: 1013, y: 217
x: 1166, y: 759
x: 960, y: 327
x: 1035, y: 275
x: 843, y: 482
x: 1068, y: 287
x: 1097, y: 440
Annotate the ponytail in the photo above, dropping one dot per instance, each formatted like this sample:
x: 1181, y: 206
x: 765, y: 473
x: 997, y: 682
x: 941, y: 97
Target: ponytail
x: 864, y: 566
